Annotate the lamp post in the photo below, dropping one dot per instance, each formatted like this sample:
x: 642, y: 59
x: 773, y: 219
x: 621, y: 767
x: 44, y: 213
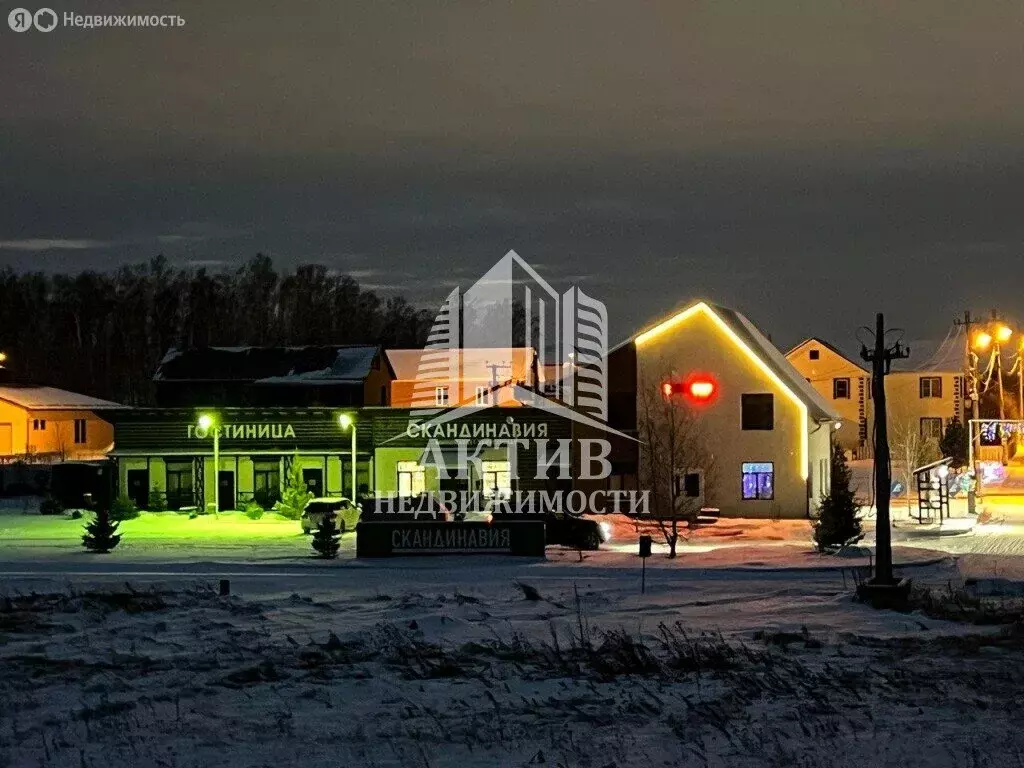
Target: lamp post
x: 347, y: 422
x: 208, y: 423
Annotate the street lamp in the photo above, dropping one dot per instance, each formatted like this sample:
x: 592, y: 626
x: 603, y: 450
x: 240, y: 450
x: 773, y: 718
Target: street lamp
x: 347, y: 422
x: 208, y: 423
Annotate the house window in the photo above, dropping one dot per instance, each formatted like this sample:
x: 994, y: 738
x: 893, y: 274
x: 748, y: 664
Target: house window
x: 412, y: 478
x: 688, y: 485
x: 758, y: 480
x: 441, y: 396
x: 266, y: 482
x: 814, y: 354
x: 931, y: 386
x: 179, y: 485
x: 497, y: 477
x: 840, y: 389
x: 758, y: 411
x: 481, y: 395
x: 931, y: 428
x: 38, y: 425
x: 80, y: 431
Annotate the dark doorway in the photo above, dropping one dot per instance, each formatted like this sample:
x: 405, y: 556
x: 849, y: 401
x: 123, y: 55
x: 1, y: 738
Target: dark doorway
x: 138, y: 487
x: 313, y: 477
x: 226, y: 489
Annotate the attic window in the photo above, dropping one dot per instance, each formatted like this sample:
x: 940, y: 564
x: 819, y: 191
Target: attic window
x: 814, y: 354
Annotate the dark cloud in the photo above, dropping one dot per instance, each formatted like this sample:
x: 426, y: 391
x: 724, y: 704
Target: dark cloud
x: 809, y: 164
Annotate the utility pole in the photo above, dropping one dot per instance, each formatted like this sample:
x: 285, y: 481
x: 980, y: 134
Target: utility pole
x: 970, y: 369
x: 881, y: 358
x: 999, y: 367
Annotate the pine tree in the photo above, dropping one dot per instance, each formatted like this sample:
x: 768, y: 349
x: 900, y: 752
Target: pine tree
x: 101, y: 534
x: 954, y: 443
x: 327, y: 538
x: 295, y: 494
x: 837, y: 525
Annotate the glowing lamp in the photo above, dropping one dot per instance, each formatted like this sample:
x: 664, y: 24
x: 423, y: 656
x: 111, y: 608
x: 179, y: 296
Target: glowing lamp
x: 205, y: 421
x: 345, y: 421
x: 666, y: 389
x: 982, y: 340
x: 700, y: 388
x: 3, y: 358
x: 1003, y: 333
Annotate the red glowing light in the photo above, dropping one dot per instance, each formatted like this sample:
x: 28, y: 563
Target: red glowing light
x: 700, y: 388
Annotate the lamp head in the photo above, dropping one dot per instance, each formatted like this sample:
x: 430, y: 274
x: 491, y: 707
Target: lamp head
x: 982, y: 340
x: 1003, y: 333
x: 205, y: 421
x: 345, y: 421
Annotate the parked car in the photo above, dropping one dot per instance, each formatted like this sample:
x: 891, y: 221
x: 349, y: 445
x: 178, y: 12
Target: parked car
x: 345, y: 512
x: 579, y: 532
x: 426, y: 507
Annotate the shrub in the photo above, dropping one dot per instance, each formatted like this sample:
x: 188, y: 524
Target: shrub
x: 157, y: 500
x: 76, y: 514
x: 123, y: 508
x: 326, y: 538
x: 50, y: 506
x: 101, y: 534
x: 837, y: 525
x: 253, y: 511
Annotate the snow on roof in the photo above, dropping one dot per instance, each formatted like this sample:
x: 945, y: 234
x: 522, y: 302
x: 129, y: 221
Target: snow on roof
x: 474, y: 362
x: 268, y: 365
x: 50, y: 398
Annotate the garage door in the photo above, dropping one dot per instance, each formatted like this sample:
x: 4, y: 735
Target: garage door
x: 6, y: 439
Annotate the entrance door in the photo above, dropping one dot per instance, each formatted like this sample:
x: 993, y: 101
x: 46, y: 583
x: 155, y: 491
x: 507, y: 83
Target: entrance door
x: 313, y: 477
x: 138, y: 486
x: 226, y: 489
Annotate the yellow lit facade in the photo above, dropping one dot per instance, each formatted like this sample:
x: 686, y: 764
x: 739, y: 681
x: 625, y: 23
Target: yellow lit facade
x: 795, y: 449
x: 925, y: 400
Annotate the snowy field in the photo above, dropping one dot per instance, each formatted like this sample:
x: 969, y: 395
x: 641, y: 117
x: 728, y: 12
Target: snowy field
x: 747, y: 650
x: 446, y: 662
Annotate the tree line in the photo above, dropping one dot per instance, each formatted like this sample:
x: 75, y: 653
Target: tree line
x: 103, y: 333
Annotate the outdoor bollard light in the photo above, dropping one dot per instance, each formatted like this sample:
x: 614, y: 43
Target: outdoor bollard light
x: 208, y: 424
x: 347, y: 422
x: 645, y: 552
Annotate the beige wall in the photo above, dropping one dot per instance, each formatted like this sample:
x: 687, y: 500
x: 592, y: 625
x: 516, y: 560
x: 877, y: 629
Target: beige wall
x: 699, y: 344
x: 902, y: 388
x: 822, y: 373
x: 17, y: 437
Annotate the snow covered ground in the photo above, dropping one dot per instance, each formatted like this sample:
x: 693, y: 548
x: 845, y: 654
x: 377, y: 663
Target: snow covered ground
x: 746, y: 650
x: 445, y: 662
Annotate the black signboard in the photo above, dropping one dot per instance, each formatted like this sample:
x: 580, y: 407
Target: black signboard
x: 400, y: 538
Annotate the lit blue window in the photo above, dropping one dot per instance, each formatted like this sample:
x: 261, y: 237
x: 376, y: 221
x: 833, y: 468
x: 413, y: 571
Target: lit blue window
x: 758, y: 480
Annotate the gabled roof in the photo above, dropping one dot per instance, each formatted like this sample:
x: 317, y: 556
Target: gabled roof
x: 50, y: 398
x: 269, y: 365
x: 755, y: 343
x: 830, y: 347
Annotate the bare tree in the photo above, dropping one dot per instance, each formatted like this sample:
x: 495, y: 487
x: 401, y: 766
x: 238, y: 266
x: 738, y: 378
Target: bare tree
x: 674, y: 448
x: 910, y: 449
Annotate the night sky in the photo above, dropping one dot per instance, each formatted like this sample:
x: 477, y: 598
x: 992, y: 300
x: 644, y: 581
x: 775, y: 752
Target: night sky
x: 809, y: 163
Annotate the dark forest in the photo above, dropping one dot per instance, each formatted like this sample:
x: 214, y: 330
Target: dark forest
x: 102, y: 334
